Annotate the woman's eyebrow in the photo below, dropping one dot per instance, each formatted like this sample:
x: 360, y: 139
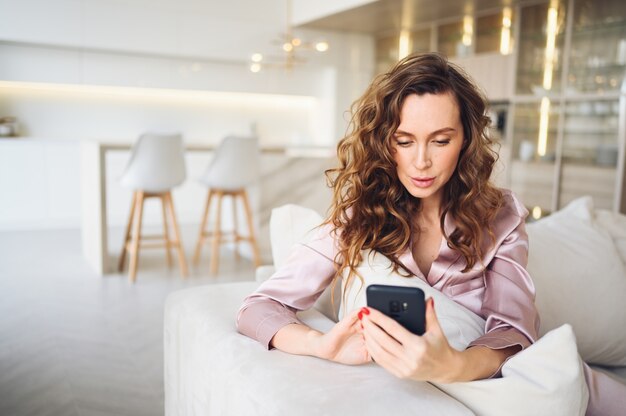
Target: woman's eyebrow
x: 443, y: 130
x: 434, y: 133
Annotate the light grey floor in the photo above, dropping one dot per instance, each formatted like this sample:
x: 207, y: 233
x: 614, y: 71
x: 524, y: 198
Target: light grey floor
x: 74, y: 343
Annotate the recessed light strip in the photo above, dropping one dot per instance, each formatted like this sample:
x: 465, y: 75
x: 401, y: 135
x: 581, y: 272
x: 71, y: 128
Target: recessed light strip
x: 242, y: 98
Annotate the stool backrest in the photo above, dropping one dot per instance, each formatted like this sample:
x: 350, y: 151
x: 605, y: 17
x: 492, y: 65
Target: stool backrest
x: 235, y: 164
x: 157, y: 163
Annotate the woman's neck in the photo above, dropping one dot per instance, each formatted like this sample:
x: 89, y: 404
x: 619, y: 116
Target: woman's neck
x: 430, y: 211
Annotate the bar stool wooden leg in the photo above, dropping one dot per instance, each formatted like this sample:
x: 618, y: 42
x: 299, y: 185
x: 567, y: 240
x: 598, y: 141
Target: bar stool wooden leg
x: 136, y: 237
x: 255, y: 248
x: 166, y: 234
x: 236, y: 236
x: 178, y: 243
x: 217, y: 235
x: 201, y: 236
x: 122, y: 260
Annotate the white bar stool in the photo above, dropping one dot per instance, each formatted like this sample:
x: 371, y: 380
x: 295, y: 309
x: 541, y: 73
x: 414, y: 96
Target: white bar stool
x: 234, y: 166
x: 156, y: 165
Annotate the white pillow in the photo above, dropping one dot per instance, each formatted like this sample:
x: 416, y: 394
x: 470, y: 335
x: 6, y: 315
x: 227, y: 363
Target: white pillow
x: 615, y: 224
x: 580, y: 280
x: 290, y: 224
x: 546, y: 378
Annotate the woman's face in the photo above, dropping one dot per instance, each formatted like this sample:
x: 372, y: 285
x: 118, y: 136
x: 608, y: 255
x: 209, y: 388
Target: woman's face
x: 427, y: 144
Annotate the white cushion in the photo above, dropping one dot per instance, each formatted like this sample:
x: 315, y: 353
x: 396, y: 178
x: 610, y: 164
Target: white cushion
x: 290, y: 224
x: 580, y: 280
x: 546, y: 378
x: 615, y: 224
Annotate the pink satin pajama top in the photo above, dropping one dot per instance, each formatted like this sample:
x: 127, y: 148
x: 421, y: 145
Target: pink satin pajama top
x: 502, y: 292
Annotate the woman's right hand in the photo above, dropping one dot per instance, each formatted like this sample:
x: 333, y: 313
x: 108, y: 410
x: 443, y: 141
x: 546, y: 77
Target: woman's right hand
x: 344, y: 343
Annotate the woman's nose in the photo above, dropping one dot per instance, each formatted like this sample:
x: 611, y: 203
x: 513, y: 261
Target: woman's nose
x: 422, y: 159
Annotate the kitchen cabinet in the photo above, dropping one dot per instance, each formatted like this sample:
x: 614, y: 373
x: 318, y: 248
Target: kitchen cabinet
x: 479, y: 54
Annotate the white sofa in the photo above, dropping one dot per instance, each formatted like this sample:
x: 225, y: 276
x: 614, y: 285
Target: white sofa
x: 577, y: 262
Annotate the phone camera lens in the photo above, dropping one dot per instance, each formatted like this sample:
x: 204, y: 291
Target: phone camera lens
x: 394, y: 306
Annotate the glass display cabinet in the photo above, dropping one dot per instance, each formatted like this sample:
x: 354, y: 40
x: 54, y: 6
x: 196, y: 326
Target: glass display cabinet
x: 386, y: 52
x: 387, y: 47
x: 569, y: 142
x: 461, y: 36
x: 533, y: 154
x: 420, y: 40
x: 489, y: 32
x: 590, y: 151
x: 450, y: 39
x: 597, y: 56
x: 539, y: 25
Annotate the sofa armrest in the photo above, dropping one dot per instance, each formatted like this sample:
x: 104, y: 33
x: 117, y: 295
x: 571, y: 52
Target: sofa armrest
x: 210, y: 368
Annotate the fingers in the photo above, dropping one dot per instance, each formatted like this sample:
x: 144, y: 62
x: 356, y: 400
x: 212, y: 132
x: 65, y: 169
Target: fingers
x: 399, y: 351
x: 383, y: 349
x: 374, y: 333
x: 432, y: 323
x: 379, y: 330
x: 390, y: 326
x: 349, y: 321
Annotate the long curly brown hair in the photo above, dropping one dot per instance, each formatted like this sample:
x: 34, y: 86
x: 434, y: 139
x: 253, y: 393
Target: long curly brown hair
x: 371, y: 209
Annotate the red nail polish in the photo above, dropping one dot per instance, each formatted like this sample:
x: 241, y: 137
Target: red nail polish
x: 365, y: 311
x: 360, y: 315
x: 432, y: 301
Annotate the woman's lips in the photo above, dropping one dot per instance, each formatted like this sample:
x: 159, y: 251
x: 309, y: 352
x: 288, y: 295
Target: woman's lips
x: 424, y: 182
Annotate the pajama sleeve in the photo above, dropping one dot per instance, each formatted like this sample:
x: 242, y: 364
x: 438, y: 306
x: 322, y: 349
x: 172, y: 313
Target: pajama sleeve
x: 509, y: 299
x: 295, y: 286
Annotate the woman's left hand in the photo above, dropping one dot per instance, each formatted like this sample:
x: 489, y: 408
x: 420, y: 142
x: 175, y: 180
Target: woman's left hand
x: 428, y: 357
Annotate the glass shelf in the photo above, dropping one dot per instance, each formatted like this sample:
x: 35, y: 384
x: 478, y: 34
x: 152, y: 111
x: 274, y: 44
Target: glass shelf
x: 590, y: 135
x: 600, y: 29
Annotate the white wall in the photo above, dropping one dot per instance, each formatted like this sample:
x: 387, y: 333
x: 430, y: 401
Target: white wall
x: 227, y: 30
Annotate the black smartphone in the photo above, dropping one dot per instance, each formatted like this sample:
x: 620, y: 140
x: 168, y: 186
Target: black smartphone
x: 404, y: 304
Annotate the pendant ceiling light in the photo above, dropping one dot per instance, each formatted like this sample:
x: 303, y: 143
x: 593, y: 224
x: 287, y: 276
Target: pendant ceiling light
x: 291, y: 46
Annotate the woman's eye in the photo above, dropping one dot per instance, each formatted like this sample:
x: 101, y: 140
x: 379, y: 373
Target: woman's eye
x: 442, y: 142
x: 403, y: 143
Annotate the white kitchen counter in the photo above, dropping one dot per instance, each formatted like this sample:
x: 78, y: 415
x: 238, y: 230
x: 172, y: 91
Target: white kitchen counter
x: 288, y: 176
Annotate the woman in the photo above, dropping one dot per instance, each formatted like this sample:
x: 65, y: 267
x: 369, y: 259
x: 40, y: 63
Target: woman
x: 413, y: 184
